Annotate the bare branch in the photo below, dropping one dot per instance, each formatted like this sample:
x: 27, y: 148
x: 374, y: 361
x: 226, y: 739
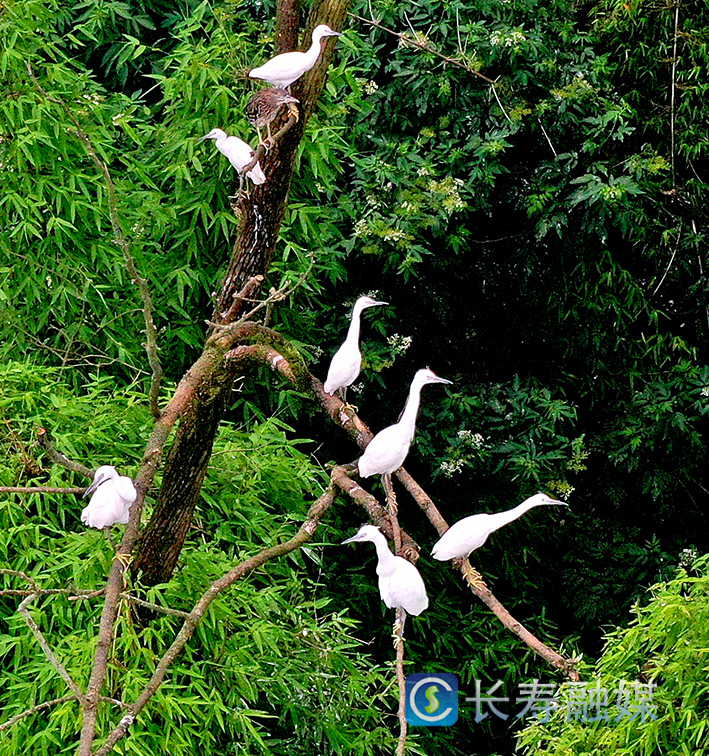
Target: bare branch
x: 151, y: 346
x: 34, y: 710
x: 260, y: 151
x: 41, y: 489
x: 73, y: 687
x: 58, y: 458
x: 407, y: 40
x: 401, y: 680
x: 304, y: 534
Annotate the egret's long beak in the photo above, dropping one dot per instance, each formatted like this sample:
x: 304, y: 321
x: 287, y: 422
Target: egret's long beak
x: 350, y: 540
x: 334, y: 34
x: 93, y: 486
x: 378, y: 303
x: 201, y: 139
x: 442, y: 380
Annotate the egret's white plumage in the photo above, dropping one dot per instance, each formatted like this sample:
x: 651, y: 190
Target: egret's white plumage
x: 112, y: 496
x: 239, y: 153
x: 347, y: 362
x: 470, y: 533
x: 286, y: 68
x: 400, y: 584
x: 387, y: 451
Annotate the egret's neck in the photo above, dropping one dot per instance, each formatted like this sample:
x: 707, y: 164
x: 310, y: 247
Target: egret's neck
x: 502, y: 518
x: 353, y: 330
x: 312, y: 54
x: 408, y: 416
x: 387, y: 560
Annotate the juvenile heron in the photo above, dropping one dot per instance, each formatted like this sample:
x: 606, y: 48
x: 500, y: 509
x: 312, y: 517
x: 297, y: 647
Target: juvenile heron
x: 239, y: 153
x: 400, y: 584
x: 110, y: 503
x: 470, y: 533
x: 263, y: 108
x: 387, y: 451
x: 286, y: 68
x: 347, y: 362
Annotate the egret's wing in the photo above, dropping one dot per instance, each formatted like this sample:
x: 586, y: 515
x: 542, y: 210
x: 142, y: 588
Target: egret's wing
x: 125, y: 488
x: 462, y: 537
x: 104, y: 509
x: 385, y: 452
x: 344, y: 368
x: 407, y: 589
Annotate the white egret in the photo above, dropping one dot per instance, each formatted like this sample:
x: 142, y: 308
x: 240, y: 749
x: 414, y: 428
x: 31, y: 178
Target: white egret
x: 400, y: 584
x: 286, y: 68
x: 239, y: 153
x: 470, y: 533
x: 346, y: 363
x: 387, y: 451
x: 263, y: 108
x: 110, y: 503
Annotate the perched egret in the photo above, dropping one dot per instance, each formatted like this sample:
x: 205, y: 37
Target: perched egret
x: 112, y: 496
x: 263, y: 108
x: 387, y: 451
x: 239, y: 153
x: 286, y: 68
x: 400, y: 584
x: 346, y: 363
x: 470, y: 533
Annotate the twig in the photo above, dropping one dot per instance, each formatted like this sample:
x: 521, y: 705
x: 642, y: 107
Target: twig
x: 154, y: 607
x: 58, y: 458
x: 407, y: 40
x: 41, y: 489
x: 151, y: 345
x: 567, y: 666
x: 73, y: 687
x: 260, y: 151
x: 34, y: 710
x: 304, y: 534
x: 401, y: 679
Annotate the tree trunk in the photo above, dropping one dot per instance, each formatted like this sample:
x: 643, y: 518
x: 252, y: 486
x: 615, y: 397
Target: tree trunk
x: 261, y: 215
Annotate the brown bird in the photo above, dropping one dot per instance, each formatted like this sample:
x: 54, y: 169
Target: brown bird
x: 263, y: 108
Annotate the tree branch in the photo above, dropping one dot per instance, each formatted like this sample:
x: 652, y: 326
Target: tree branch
x: 73, y: 687
x: 407, y: 40
x: 34, y: 710
x: 305, y: 533
x: 58, y: 458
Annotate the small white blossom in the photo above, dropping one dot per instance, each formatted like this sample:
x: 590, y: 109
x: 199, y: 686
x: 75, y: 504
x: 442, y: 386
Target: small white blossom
x: 705, y: 391
x: 476, y: 440
x: 452, y: 467
x: 361, y: 228
x: 398, y: 343
x: 357, y: 388
x: 370, y: 87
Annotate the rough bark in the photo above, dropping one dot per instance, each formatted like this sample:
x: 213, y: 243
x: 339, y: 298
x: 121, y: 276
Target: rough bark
x: 261, y: 214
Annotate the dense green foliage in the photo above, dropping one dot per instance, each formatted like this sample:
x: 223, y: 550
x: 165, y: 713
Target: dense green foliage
x: 665, y: 646
x: 542, y: 243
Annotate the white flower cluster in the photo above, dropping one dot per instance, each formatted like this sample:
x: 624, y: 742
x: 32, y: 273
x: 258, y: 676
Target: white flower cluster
x: 356, y: 388
x: 476, y: 440
x: 317, y: 352
x: 507, y: 38
x: 370, y: 87
x: 705, y: 391
x: 398, y: 343
x: 452, y: 467
x: 687, y: 557
x: 361, y: 228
